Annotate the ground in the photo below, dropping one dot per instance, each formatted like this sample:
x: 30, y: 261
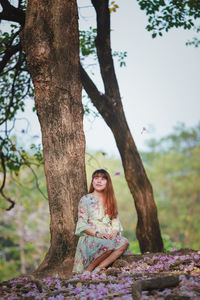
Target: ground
x: 174, y: 275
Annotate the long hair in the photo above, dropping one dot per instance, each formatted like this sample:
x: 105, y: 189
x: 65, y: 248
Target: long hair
x: 110, y: 200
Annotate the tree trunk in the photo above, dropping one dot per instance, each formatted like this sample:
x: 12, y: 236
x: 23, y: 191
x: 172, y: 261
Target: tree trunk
x: 50, y: 40
x: 110, y: 107
x: 21, y: 244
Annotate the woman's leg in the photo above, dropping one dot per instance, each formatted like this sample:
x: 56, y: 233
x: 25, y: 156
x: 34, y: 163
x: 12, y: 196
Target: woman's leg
x: 99, y: 259
x: 112, y: 257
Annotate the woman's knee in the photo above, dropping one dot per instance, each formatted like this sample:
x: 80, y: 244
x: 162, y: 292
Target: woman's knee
x: 123, y: 248
x: 126, y: 244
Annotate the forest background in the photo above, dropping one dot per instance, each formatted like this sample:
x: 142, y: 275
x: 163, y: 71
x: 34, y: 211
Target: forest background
x: 172, y: 164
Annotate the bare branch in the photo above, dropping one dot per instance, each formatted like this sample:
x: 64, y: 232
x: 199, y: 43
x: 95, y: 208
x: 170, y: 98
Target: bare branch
x: 11, y: 13
x: 37, y: 182
x: 17, y: 69
x: 8, y: 108
x: 101, y: 101
x: 3, y: 183
x: 8, y: 54
x: 33, y: 172
x: 19, y: 3
x: 8, y: 70
x: 12, y: 39
x: 91, y: 157
x: 4, y: 175
x: 89, y: 85
x: 4, y: 3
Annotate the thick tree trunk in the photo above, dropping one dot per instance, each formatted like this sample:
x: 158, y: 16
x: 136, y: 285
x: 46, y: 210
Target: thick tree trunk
x: 110, y: 107
x: 50, y: 39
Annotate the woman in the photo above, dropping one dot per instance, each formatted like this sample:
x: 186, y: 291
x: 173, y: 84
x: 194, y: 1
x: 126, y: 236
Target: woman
x: 98, y: 226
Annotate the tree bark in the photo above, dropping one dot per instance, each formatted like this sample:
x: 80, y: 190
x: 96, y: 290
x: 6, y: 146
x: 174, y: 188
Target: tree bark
x: 111, y: 109
x: 50, y: 40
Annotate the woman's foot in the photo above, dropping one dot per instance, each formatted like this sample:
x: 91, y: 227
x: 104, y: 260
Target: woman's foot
x: 86, y: 272
x: 98, y: 270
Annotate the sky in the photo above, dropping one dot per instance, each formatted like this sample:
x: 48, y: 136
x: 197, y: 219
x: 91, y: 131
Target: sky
x: 159, y: 85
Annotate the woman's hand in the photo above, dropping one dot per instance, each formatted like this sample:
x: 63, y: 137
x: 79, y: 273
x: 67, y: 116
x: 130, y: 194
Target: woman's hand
x: 106, y: 236
x: 114, y: 234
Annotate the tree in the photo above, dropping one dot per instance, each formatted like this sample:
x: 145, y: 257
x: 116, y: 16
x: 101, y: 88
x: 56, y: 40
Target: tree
x: 53, y: 62
x: 110, y: 106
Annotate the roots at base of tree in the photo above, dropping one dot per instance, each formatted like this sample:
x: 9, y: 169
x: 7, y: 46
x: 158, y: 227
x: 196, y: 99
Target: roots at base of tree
x: 61, y: 270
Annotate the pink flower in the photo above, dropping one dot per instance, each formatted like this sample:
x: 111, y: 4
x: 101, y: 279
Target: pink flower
x: 143, y: 130
x: 117, y: 173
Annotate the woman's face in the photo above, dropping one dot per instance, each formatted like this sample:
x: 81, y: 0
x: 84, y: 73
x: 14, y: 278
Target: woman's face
x: 99, y: 183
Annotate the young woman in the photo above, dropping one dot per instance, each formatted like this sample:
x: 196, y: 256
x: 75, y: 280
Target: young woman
x: 98, y: 226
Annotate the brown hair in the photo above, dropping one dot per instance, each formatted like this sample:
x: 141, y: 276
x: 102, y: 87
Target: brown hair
x: 110, y: 200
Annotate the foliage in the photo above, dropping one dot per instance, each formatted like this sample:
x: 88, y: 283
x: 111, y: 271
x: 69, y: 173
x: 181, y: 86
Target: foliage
x: 87, y: 41
x: 15, y: 81
x: 16, y: 157
x: 134, y: 246
x: 113, y: 6
x: 8, y: 269
x: 24, y: 230
x: 121, y: 57
x: 169, y: 244
x: 195, y: 41
x: 173, y: 167
x: 164, y: 15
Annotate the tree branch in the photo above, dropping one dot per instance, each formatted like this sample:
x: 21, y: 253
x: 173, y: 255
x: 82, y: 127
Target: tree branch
x: 19, y: 3
x: 11, y: 13
x: 100, y: 101
x: 104, y: 51
x: 3, y: 183
x: 8, y: 54
x: 8, y: 108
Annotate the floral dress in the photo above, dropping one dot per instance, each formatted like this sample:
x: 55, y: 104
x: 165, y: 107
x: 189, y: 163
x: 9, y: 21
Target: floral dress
x: 91, y: 216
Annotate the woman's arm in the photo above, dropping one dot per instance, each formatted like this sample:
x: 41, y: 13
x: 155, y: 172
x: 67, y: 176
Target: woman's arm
x: 91, y: 232
x: 82, y: 223
x: 116, y: 226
